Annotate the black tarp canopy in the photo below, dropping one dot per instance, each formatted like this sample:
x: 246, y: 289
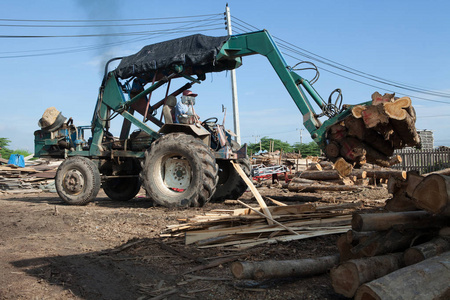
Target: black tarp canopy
x: 196, y: 53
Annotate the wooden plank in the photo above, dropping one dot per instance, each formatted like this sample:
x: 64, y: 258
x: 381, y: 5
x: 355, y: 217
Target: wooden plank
x: 254, y: 191
x: 270, y: 218
x: 245, y: 244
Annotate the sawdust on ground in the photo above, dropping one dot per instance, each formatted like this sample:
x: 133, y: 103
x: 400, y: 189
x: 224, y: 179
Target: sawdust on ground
x: 112, y: 250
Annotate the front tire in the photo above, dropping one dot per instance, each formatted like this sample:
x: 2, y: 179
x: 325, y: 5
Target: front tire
x: 179, y: 171
x: 77, y: 180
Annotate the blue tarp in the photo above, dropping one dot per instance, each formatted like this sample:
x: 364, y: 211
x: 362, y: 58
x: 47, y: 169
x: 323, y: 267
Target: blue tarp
x: 17, y: 160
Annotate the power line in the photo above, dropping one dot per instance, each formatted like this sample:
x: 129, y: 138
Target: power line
x: 242, y: 25
x: 102, y: 34
x: 111, y: 20
x: 200, y: 27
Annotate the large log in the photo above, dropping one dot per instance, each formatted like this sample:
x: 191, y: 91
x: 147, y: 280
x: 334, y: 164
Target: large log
x: 400, y: 202
x: 342, y: 167
x: 392, y: 241
x: 285, y: 268
x: 352, y: 150
x: 386, y: 173
x: 300, y: 187
x: 344, y: 247
x: 426, y: 280
x: 320, y: 175
x: 378, y: 99
x: 433, y: 194
x: 402, y: 121
x: 427, y: 250
x: 356, y: 128
x: 385, y: 221
x: 349, y: 276
x: 374, y: 115
x: 441, y: 172
x: 413, y: 179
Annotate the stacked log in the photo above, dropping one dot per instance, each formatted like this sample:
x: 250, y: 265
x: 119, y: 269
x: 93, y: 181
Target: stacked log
x: 430, y: 193
x: 372, y: 132
x: 384, y: 249
x: 340, y: 176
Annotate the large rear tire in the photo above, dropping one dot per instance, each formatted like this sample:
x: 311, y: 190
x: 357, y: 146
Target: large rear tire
x: 77, y: 180
x: 179, y: 171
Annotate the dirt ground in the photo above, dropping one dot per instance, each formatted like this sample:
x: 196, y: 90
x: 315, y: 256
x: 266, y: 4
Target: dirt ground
x: 112, y: 250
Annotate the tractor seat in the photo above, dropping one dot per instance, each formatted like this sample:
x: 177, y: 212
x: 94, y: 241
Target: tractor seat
x: 168, y: 109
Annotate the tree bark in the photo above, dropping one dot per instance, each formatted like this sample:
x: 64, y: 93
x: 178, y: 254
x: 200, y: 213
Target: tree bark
x: 299, y: 187
x: 433, y: 193
x: 392, y: 241
x: 426, y: 280
x: 349, y: 276
x: 332, y: 149
x: 427, y: 250
x: 385, y: 221
x: 284, y: 268
x: 386, y: 173
x: 342, y: 167
x: 402, y: 121
x: 320, y: 175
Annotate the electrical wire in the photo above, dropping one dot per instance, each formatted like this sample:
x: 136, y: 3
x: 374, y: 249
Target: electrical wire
x: 200, y: 27
x: 244, y: 26
x: 112, y: 20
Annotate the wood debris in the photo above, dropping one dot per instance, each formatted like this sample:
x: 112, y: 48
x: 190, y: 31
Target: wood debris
x: 244, y: 228
x: 35, y: 177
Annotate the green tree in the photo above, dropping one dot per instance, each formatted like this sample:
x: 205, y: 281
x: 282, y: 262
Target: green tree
x: 265, y: 145
x: 6, y: 152
x: 310, y: 149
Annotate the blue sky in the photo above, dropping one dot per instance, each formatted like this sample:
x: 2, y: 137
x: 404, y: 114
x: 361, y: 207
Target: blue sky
x: 401, y: 41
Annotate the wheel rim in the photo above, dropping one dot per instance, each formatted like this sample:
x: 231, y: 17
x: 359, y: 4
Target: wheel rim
x: 176, y: 173
x: 74, y: 182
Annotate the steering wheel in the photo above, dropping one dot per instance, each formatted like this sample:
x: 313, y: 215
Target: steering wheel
x: 209, y: 120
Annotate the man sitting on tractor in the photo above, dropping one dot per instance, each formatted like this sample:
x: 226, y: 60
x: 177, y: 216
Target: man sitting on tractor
x: 184, y: 110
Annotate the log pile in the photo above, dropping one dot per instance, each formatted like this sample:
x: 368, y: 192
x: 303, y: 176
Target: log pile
x: 373, y: 131
x: 430, y: 192
x: 386, y: 254
x: 340, y: 176
x: 404, y: 253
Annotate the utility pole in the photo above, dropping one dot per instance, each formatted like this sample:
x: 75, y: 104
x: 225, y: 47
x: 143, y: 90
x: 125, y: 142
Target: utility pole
x: 237, y: 128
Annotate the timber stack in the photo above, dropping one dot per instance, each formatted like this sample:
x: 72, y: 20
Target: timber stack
x: 373, y: 131
x: 341, y: 176
x: 403, y: 253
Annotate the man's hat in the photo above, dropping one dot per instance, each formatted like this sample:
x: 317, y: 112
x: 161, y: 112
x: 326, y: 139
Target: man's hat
x: 189, y: 93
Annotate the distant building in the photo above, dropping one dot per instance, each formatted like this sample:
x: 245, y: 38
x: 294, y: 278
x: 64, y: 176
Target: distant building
x: 426, y: 138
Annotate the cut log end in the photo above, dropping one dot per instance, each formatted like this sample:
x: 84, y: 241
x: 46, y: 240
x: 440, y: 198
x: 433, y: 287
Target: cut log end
x: 432, y: 194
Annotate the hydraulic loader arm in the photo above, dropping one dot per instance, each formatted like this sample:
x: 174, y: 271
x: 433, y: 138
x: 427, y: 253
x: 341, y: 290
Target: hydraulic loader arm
x: 260, y: 42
